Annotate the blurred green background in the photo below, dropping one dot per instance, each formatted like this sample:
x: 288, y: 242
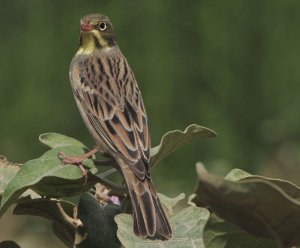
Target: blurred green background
x: 232, y: 66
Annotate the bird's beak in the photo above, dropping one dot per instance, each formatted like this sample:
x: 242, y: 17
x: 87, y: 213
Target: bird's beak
x: 86, y: 27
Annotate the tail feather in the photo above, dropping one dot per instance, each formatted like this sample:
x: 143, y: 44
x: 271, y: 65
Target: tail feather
x: 142, y: 209
x: 139, y: 225
x: 163, y: 227
x: 149, y: 218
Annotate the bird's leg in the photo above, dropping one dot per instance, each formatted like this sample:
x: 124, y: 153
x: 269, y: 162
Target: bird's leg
x: 78, y: 160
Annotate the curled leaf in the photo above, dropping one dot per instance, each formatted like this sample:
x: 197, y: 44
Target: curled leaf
x: 255, y: 204
x: 98, y: 223
x: 219, y: 233
x: 170, y: 203
x: 176, y: 139
x: 57, y: 211
x: 187, y: 226
x: 9, y: 244
x: 54, y: 140
x: 7, y: 171
x: 47, y: 176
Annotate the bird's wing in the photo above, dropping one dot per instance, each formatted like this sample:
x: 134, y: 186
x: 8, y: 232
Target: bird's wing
x: 112, y: 102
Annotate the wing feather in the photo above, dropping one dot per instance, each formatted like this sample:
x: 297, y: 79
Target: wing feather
x: 115, y: 110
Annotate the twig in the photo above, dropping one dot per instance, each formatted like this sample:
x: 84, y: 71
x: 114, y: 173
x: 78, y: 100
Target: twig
x: 107, y: 173
x: 102, y: 163
x: 73, y: 222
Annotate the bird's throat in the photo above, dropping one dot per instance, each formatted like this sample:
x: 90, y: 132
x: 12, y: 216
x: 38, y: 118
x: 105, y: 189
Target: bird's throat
x: 91, y: 42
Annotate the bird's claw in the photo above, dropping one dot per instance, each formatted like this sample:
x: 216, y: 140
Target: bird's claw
x: 74, y: 161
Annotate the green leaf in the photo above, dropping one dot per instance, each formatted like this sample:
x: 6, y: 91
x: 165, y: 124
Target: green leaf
x: 176, y: 139
x: 99, y: 228
x: 55, y: 140
x: 7, y: 171
x: 291, y: 189
x: 98, y: 223
x: 236, y: 175
x: 64, y: 234
x: 44, y: 207
x: 187, y: 226
x: 47, y: 176
x: 255, y: 204
x: 29, y: 195
x: 48, y: 208
x: 220, y: 234
x: 169, y: 203
x: 9, y: 244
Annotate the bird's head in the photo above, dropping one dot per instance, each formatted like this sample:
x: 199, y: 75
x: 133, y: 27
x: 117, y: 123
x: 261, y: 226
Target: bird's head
x: 96, y: 33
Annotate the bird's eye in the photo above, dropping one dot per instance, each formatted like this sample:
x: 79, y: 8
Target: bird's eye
x: 102, y: 26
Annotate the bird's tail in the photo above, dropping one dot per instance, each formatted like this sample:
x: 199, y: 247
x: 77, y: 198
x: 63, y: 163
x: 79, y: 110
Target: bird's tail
x: 149, y: 218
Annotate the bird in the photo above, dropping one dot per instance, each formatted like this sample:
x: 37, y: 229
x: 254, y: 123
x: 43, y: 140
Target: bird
x: 111, y: 105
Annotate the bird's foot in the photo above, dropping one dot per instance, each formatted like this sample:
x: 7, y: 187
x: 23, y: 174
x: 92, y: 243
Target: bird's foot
x: 77, y: 161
